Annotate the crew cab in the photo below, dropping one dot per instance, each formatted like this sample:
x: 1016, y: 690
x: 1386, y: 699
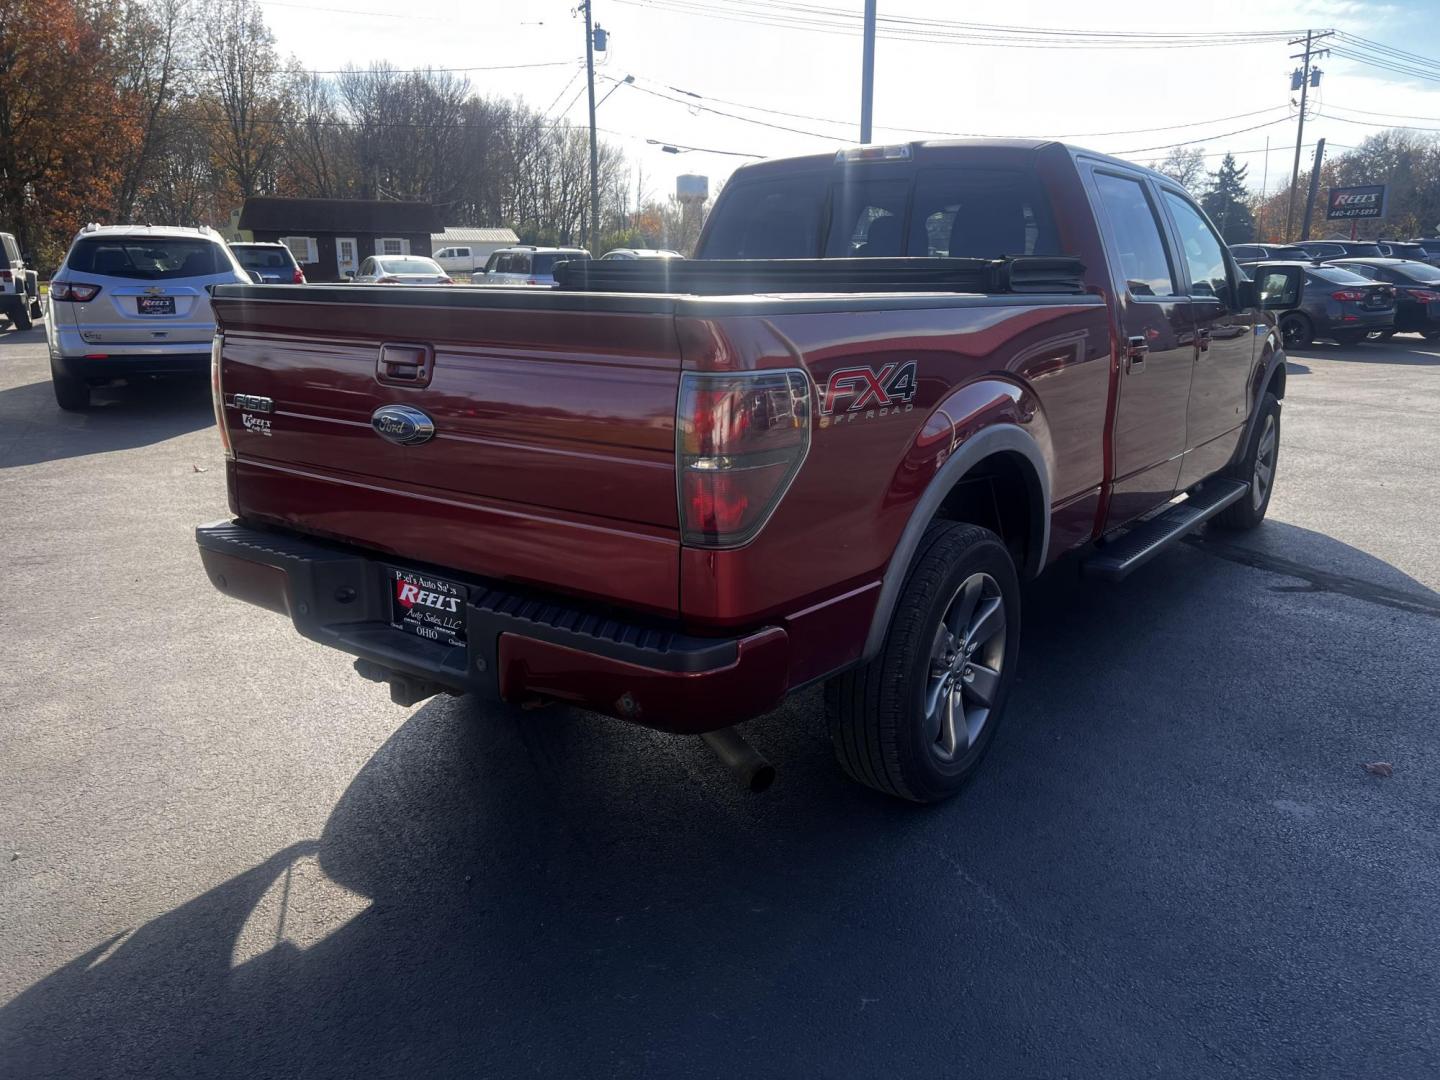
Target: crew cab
x: 895, y: 382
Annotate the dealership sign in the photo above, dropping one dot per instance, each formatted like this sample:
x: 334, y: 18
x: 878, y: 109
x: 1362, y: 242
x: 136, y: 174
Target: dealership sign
x: 1367, y: 201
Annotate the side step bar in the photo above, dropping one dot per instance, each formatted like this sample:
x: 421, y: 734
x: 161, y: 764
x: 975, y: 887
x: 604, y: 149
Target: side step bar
x: 1148, y: 539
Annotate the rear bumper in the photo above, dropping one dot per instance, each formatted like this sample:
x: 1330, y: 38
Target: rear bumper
x: 128, y: 365
x: 1356, y: 320
x: 518, y: 646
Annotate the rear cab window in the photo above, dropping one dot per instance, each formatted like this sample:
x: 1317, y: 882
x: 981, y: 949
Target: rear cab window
x: 148, y: 258
x: 958, y: 211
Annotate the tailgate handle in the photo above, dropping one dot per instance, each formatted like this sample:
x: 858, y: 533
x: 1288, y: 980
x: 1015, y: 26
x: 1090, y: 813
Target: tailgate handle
x: 403, y: 364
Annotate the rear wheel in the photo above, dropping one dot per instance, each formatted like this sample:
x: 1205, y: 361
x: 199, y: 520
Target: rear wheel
x: 21, y: 317
x: 1295, y: 330
x: 916, y: 721
x: 71, y: 394
x: 1351, y: 337
x: 1257, y: 468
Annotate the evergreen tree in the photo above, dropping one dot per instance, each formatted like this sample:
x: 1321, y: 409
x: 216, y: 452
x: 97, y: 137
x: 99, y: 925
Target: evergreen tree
x: 1226, y: 202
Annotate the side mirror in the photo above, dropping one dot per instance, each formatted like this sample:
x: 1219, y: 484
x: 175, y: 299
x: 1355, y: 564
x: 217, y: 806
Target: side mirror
x: 1275, y: 288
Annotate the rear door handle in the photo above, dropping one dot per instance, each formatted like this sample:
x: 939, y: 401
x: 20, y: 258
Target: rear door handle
x: 1136, y: 349
x: 1202, y: 338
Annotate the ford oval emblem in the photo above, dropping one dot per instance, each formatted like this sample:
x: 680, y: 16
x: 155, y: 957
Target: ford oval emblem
x: 402, y: 425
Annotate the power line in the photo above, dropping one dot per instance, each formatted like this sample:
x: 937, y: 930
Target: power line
x: 961, y: 134
x: 832, y: 21
x: 1192, y: 142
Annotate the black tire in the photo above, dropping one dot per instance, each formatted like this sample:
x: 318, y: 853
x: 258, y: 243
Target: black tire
x: 72, y: 395
x: 1296, y: 330
x: 1249, y: 510
x: 876, y: 712
x: 37, y: 309
x: 21, y: 317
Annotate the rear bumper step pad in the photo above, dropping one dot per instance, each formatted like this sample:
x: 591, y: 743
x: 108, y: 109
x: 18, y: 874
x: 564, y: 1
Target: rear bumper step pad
x: 518, y: 646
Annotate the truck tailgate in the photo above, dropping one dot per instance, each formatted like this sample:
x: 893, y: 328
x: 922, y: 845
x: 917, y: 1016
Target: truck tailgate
x: 552, y: 461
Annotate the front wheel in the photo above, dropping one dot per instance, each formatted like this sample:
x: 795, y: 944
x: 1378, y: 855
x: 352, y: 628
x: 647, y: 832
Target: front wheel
x: 1257, y: 467
x: 917, y: 720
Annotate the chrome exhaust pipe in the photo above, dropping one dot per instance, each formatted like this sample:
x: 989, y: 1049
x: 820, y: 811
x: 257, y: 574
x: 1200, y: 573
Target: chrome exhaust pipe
x: 742, y: 759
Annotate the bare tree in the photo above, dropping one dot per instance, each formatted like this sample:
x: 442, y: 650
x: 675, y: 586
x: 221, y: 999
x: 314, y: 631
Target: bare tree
x: 241, y: 92
x: 1183, y: 164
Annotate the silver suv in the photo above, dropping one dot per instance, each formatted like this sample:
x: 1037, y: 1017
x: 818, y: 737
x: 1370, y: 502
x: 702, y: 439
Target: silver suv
x: 133, y: 300
x: 526, y: 265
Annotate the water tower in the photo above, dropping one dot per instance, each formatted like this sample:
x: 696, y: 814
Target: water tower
x: 692, y: 191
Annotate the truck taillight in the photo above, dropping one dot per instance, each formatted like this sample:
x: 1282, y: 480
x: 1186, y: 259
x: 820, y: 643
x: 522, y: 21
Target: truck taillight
x: 739, y: 440
x: 297, y: 278
x: 217, y: 345
x: 1347, y: 294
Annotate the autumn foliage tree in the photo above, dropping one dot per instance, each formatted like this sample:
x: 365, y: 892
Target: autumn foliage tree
x: 62, y: 152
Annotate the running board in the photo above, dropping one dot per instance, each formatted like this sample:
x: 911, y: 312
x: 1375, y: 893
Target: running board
x: 1148, y: 539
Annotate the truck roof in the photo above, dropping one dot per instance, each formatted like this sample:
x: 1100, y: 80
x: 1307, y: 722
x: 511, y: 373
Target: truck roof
x: 922, y: 148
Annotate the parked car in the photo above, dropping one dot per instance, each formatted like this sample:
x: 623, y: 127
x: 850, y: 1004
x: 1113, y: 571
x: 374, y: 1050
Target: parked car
x: 642, y: 253
x: 1431, y: 248
x: 1336, y: 304
x: 676, y: 509
x: 1400, y: 249
x: 19, y: 285
x: 132, y: 301
x: 1340, y: 249
x: 1246, y: 254
x: 274, y: 264
x: 461, y: 259
x: 1417, y: 291
x: 401, y: 270
x: 526, y: 265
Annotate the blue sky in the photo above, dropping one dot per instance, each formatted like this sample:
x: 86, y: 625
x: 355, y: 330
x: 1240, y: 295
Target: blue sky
x: 740, y: 63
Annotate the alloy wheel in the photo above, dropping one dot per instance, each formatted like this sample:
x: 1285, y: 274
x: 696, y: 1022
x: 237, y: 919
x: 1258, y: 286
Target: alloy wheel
x: 965, y: 664
x: 1264, y: 463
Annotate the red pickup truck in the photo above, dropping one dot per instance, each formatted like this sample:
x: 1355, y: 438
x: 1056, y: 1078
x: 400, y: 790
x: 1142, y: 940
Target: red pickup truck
x: 895, y: 381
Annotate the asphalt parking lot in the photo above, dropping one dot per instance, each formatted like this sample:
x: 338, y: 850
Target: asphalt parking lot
x: 222, y: 854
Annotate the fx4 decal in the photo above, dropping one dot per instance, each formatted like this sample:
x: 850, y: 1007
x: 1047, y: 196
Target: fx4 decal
x: 862, y: 393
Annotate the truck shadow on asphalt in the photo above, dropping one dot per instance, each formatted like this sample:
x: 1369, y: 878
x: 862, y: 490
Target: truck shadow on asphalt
x: 502, y: 893
x: 35, y: 430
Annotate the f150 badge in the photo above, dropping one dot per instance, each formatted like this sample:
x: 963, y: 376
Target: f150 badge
x: 864, y: 393
x: 402, y: 425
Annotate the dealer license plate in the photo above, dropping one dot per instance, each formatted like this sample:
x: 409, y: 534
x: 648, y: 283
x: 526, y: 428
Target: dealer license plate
x: 155, y: 305
x: 428, y: 607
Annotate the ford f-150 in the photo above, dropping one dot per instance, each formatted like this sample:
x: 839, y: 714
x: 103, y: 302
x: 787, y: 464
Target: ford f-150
x: 894, y: 382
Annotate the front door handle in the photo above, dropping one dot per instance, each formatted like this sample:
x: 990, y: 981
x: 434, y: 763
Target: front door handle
x: 1136, y: 349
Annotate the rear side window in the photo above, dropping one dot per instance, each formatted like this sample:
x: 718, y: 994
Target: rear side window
x: 147, y: 258
x: 1139, y: 249
x: 768, y: 219
x: 1204, y: 255
x: 1363, y: 251
x: 981, y: 214
x: 9, y: 250
x: 1328, y: 251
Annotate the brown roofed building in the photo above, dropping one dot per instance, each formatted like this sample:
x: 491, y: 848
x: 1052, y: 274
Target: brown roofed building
x: 331, y: 236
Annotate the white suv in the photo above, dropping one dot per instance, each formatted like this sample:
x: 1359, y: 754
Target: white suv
x: 133, y: 300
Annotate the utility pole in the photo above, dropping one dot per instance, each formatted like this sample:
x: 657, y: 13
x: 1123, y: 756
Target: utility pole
x: 1306, y: 74
x: 594, y: 146
x: 1264, y: 193
x: 1314, y: 188
x: 867, y: 73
